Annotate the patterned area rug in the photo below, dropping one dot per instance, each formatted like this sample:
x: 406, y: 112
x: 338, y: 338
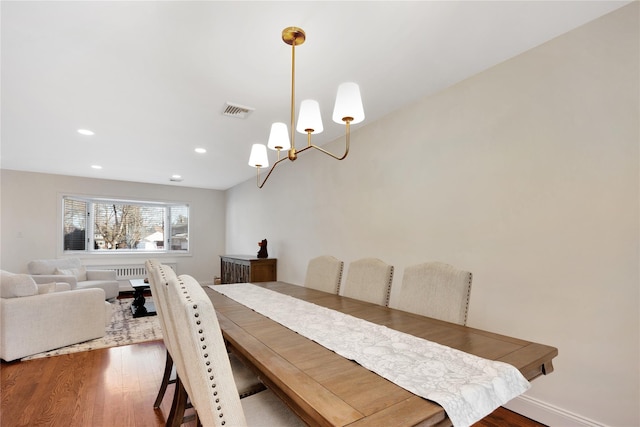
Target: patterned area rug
x: 124, y: 330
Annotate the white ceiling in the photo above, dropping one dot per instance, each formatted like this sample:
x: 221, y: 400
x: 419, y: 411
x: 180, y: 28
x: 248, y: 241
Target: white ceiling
x: 151, y: 78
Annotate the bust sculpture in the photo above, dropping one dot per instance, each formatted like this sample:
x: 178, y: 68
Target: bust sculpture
x: 262, y: 253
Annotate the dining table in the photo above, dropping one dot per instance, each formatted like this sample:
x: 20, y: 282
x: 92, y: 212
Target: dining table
x: 326, y: 389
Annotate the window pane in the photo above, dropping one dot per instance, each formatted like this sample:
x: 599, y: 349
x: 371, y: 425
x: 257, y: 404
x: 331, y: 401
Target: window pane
x: 128, y: 226
x: 179, y: 228
x: 101, y: 225
x: 75, y: 225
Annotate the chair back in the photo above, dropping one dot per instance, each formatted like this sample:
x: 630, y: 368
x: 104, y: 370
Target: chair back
x: 437, y: 290
x: 158, y: 292
x: 164, y: 277
x: 207, y: 370
x: 369, y: 279
x: 324, y: 273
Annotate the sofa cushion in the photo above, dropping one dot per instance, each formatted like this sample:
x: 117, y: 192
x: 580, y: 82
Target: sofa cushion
x: 111, y: 288
x: 46, y: 288
x: 17, y: 285
x: 79, y: 273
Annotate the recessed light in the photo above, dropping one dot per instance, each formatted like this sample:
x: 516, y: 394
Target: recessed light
x: 85, y: 132
x: 176, y: 178
x: 96, y: 166
x: 200, y: 150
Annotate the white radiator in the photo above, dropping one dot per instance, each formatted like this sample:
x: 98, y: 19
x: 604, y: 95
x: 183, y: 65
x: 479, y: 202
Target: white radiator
x: 124, y: 272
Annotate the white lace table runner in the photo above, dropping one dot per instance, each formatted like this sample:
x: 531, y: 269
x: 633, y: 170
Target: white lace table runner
x: 468, y: 387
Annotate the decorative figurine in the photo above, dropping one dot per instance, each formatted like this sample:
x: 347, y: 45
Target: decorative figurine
x: 262, y: 253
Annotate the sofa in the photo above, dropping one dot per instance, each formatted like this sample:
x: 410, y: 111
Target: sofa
x: 42, y: 317
x: 71, y: 271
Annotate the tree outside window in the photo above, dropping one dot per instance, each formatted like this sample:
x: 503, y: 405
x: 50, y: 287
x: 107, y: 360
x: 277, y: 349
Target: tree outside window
x: 97, y: 225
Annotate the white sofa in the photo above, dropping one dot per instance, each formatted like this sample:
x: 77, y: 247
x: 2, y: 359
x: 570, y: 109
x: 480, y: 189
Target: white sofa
x: 71, y: 271
x: 42, y: 317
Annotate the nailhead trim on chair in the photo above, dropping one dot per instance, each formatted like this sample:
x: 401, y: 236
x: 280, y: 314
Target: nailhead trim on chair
x: 340, y: 277
x: 386, y: 303
x: 203, y: 353
x: 466, y: 308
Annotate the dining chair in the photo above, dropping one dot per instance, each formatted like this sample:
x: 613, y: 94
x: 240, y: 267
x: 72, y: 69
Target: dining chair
x: 151, y: 266
x: 324, y: 273
x: 369, y: 279
x: 160, y: 277
x: 435, y: 289
x: 205, y: 368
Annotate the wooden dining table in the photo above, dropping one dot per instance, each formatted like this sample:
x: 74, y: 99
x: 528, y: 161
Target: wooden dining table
x: 326, y: 389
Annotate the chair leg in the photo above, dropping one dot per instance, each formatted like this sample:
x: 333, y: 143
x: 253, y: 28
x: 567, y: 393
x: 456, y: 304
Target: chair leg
x: 178, y: 407
x: 166, y: 380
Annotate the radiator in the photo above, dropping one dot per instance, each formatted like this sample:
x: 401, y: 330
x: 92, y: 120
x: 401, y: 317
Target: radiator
x: 124, y: 272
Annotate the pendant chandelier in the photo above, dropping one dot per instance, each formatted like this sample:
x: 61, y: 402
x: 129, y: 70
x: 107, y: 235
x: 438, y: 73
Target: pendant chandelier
x: 347, y: 110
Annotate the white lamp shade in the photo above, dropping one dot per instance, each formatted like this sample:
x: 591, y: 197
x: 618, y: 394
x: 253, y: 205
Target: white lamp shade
x: 258, y: 156
x: 309, y: 117
x: 279, y: 137
x: 348, y: 103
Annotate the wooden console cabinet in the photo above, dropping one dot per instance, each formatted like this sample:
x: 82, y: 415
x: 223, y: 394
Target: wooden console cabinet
x: 247, y: 268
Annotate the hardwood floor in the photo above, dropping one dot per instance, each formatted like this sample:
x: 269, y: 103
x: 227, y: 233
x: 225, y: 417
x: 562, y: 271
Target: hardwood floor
x: 113, y: 387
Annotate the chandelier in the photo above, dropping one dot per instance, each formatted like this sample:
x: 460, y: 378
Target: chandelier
x: 347, y: 110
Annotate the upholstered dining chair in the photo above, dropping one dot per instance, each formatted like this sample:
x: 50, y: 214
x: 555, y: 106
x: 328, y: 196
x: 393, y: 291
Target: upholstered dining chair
x: 152, y: 265
x: 435, y: 289
x: 205, y: 368
x: 324, y: 273
x: 369, y: 279
x: 160, y: 278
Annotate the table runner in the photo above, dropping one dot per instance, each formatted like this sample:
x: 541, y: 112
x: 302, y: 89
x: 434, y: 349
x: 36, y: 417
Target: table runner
x: 468, y: 387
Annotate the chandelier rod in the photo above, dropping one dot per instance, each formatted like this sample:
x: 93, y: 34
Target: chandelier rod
x: 293, y: 98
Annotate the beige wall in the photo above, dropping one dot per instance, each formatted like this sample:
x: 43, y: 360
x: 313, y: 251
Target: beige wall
x: 31, y: 218
x: 527, y: 175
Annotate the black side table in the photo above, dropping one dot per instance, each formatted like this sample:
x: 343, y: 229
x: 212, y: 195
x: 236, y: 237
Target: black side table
x: 140, y: 306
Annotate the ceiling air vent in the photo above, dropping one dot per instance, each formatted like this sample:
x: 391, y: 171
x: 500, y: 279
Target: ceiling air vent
x: 236, y: 110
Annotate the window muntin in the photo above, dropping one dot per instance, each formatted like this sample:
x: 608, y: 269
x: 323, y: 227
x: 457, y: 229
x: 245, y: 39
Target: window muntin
x: 105, y: 226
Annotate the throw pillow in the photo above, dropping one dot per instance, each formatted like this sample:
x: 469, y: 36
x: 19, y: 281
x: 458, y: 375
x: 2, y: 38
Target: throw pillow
x: 63, y: 272
x: 46, y: 288
x: 79, y: 273
x: 17, y: 285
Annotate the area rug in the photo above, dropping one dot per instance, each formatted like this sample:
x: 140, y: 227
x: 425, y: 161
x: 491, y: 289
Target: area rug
x: 123, y: 330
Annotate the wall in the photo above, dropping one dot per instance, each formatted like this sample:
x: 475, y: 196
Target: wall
x: 527, y: 175
x: 31, y: 218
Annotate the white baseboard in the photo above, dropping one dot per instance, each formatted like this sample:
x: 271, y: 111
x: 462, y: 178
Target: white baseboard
x: 547, y: 414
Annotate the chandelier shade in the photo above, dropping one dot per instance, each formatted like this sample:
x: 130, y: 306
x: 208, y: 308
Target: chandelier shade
x: 348, y: 104
x: 347, y: 110
x: 279, y: 137
x: 309, y: 119
x: 258, y: 157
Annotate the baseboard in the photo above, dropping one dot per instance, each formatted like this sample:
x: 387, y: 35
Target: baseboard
x: 547, y: 414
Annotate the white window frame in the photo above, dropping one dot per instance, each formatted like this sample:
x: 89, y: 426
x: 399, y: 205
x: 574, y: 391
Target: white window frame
x: 90, y: 233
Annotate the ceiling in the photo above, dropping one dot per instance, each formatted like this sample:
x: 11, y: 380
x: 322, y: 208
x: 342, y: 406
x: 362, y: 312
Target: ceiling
x: 151, y: 79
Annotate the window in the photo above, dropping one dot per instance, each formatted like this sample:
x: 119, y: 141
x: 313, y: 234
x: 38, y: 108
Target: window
x: 104, y: 226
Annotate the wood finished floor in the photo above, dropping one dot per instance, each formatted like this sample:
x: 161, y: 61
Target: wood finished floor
x: 112, y: 387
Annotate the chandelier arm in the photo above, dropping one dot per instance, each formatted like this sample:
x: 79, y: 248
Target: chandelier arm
x: 268, y: 175
x: 331, y: 154
x: 346, y: 149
